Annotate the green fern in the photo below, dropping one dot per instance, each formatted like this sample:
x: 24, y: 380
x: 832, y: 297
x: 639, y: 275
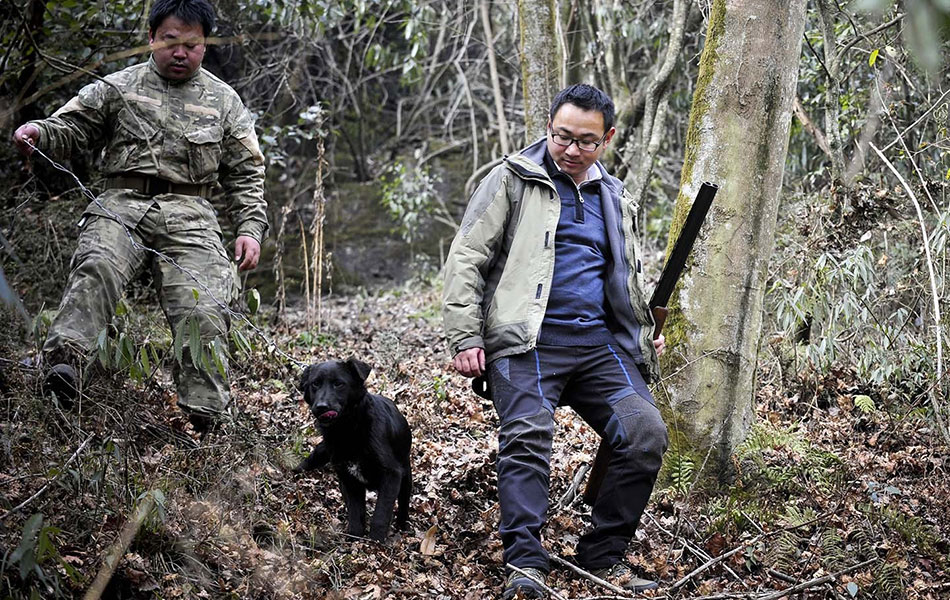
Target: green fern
x: 888, y: 581
x: 682, y: 469
x: 864, y: 403
x: 862, y: 542
x: 833, y: 553
x: 785, y: 552
x: 914, y: 530
x: 784, y: 460
x: 795, y: 516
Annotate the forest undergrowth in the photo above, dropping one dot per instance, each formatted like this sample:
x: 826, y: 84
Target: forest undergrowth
x: 834, y: 495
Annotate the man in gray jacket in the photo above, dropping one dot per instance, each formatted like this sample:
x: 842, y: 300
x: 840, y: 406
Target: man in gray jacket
x: 544, y: 296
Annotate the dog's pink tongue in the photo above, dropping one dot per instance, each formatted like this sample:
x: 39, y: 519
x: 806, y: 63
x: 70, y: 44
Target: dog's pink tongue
x: 328, y: 416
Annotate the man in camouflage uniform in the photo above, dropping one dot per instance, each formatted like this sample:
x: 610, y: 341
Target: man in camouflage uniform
x: 169, y: 131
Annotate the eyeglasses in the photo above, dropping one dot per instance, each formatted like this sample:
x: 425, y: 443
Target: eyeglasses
x: 566, y: 141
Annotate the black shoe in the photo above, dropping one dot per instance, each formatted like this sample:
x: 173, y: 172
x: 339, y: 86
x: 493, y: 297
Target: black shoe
x: 62, y: 382
x: 202, y: 424
x: 622, y: 575
x: 521, y: 587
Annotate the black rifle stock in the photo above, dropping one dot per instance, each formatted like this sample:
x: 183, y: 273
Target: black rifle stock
x: 658, y: 303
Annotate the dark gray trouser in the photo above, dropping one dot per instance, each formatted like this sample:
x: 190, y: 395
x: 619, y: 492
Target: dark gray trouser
x: 602, y: 384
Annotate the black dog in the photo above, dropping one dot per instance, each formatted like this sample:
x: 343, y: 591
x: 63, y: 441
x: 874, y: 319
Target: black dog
x: 366, y: 439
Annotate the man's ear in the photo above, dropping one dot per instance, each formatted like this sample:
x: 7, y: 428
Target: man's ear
x: 609, y: 135
x: 359, y: 367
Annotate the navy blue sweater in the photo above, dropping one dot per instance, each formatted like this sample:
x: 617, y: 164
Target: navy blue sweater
x: 576, y: 313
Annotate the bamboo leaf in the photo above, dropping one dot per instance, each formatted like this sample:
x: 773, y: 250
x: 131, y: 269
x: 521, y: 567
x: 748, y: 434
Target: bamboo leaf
x: 102, y: 343
x: 179, y: 341
x: 143, y: 359
x: 194, y: 341
x: 218, y: 353
x: 253, y: 301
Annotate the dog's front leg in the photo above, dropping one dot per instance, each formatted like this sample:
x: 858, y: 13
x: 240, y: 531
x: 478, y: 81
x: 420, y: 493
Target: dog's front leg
x: 354, y: 496
x: 319, y: 457
x: 385, y: 501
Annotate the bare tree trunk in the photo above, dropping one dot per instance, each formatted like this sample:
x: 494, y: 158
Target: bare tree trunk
x: 832, y: 91
x: 318, y: 266
x: 495, y: 83
x: 642, y: 154
x: 539, y: 62
x: 738, y: 137
x: 573, y: 16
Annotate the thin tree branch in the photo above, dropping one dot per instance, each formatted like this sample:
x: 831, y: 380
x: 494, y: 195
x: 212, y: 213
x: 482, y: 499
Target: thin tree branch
x: 815, y: 582
x: 938, y: 410
x: 50, y: 482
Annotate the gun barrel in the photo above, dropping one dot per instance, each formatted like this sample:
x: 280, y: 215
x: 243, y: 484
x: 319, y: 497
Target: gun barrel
x: 684, y: 243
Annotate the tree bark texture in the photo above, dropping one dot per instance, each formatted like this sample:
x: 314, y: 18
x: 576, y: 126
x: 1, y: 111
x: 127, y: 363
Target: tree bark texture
x: 485, y: 12
x: 539, y: 62
x: 738, y: 137
x: 826, y: 14
x: 642, y: 153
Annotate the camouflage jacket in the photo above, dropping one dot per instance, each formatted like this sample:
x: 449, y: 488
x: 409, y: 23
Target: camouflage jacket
x: 193, y: 131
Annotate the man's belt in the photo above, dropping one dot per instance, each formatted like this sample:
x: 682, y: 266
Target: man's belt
x: 153, y: 186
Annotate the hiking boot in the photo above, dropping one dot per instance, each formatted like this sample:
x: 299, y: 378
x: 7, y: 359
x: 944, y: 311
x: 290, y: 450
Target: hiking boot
x: 622, y: 575
x: 202, y: 424
x: 62, y: 382
x: 521, y: 587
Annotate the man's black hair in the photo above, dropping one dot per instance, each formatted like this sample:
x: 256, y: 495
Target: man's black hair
x: 587, y: 97
x: 192, y: 12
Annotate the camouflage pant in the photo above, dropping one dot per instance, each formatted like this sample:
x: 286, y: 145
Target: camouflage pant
x: 106, y: 259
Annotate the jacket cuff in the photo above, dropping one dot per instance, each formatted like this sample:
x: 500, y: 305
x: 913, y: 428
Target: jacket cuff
x: 475, y: 341
x: 254, y: 229
x: 41, y: 143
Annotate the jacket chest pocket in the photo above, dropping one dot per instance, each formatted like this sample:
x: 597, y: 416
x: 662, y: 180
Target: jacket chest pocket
x: 204, y: 151
x: 136, y: 131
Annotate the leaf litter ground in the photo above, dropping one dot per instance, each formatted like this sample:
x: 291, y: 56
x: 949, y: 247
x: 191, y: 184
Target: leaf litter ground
x: 821, y: 487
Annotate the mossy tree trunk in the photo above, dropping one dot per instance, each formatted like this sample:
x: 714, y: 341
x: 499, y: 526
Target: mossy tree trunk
x: 738, y: 137
x: 540, y: 65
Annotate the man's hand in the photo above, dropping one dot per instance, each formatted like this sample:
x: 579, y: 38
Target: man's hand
x: 471, y: 362
x: 660, y: 344
x: 24, y: 133
x: 248, y: 251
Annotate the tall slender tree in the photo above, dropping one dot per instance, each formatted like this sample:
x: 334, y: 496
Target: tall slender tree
x: 738, y: 137
x: 539, y: 62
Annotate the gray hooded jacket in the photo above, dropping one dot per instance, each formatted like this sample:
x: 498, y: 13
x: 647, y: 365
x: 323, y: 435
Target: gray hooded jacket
x: 499, y: 269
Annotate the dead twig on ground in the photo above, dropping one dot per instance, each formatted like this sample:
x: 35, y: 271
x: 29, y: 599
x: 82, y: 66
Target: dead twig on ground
x: 51, y: 481
x: 571, y: 494
x: 590, y: 577
x: 815, y: 582
x: 722, y: 557
x: 118, y: 548
x: 541, y: 583
x: 696, y: 550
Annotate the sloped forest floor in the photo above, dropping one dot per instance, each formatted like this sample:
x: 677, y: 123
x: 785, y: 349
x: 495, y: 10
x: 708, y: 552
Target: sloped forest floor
x: 825, y: 487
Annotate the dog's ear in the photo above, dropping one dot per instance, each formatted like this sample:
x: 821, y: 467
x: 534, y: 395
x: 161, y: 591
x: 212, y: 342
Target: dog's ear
x: 304, y: 386
x: 359, y: 367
